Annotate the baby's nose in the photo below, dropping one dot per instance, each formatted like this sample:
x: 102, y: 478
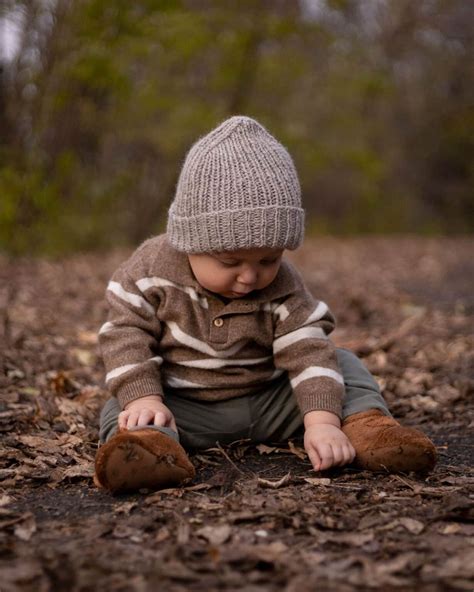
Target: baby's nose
x: 248, y: 276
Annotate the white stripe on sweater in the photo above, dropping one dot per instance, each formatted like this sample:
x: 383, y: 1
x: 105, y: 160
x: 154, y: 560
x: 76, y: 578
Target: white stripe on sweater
x: 211, y: 363
x: 317, y: 314
x: 129, y: 297
x: 297, y: 335
x: 316, y: 372
x: 201, y: 346
x: 270, y: 306
x: 119, y: 371
x: 157, y: 282
x: 281, y: 311
x: 175, y: 382
x: 106, y: 327
x: 116, y: 372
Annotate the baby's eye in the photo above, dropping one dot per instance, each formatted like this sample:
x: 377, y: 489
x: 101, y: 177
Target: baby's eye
x: 229, y: 263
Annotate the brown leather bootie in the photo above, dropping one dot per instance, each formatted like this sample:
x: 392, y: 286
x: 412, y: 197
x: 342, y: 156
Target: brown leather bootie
x: 139, y: 459
x: 382, y: 444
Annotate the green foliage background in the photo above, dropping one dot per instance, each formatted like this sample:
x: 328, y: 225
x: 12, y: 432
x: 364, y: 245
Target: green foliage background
x: 373, y: 100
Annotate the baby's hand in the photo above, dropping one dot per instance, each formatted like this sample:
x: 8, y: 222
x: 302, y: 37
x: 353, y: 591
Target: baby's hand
x: 325, y: 443
x: 145, y: 411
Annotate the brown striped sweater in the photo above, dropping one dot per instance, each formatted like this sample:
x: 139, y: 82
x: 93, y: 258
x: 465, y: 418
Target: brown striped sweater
x: 167, y: 334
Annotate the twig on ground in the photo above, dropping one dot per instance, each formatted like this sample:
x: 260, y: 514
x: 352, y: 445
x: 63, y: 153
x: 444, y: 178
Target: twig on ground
x: 224, y: 453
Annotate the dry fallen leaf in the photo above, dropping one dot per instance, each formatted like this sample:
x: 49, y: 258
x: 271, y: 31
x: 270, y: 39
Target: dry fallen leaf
x: 162, y: 535
x: 412, y: 525
x: 445, y: 394
x: 84, y: 356
x: 25, y: 529
x: 157, y: 496
x: 84, y: 470
x: 215, y: 535
x: 274, y: 484
x: 88, y: 337
x: 453, y: 528
x: 199, y: 487
x: 125, y: 508
x: 297, y: 451
x: 271, y: 552
x: 5, y: 500
x: 317, y: 480
x: 264, y: 449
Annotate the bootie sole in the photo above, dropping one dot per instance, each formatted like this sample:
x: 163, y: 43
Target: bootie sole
x: 131, y: 461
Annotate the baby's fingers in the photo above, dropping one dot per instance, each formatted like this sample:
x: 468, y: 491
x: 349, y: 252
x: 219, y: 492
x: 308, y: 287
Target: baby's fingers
x: 122, y: 419
x: 145, y: 418
x: 132, y: 420
x: 324, y: 457
x: 314, y: 458
x: 160, y: 419
x: 338, y: 455
x: 326, y: 454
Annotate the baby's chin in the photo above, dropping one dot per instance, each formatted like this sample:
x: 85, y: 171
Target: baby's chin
x: 235, y: 295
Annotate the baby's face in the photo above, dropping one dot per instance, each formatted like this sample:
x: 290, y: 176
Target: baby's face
x: 234, y: 274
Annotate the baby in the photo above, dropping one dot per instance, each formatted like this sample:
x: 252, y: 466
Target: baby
x: 213, y: 336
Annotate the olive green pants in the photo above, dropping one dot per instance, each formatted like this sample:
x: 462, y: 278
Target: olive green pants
x: 271, y: 416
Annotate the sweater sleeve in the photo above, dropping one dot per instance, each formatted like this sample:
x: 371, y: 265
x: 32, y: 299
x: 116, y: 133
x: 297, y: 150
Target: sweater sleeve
x: 129, y: 339
x: 302, y: 347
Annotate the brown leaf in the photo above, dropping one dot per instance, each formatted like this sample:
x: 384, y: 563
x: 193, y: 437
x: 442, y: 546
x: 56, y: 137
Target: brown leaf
x: 25, y: 529
x: 297, y: 451
x: 412, y: 525
x: 84, y: 470
x: 275, y: 484
x: 157, y: 496
x: 271, y: 552
x: 215, y: 535
x: 5, y: 500
x: 317, y: 480
x: 452, y: 528
x: 444, y: 394
x: 199, y: 487
x: 88, y: 337
x: 457, y: 566
x: 162, y: 535
x: 84, y: 356
x: 264, y: 449
x: 123, y: 531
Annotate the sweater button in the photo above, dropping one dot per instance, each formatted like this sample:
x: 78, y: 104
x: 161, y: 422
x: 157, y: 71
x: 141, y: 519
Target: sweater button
x: 218, y: 322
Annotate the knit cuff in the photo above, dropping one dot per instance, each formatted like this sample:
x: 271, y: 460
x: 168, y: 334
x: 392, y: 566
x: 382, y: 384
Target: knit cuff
x: 327, y: 400
x: 138, y: 389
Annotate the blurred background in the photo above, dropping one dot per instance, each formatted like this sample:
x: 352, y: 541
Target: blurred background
x: 100, y: 101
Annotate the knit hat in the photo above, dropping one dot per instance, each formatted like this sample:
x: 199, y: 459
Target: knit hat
x: 238, y: 189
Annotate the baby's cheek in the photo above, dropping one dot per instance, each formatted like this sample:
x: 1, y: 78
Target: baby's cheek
x: 268, y: 278
x: 224, y: 278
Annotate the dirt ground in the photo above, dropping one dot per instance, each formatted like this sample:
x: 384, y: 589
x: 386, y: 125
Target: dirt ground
x: 257, y: 518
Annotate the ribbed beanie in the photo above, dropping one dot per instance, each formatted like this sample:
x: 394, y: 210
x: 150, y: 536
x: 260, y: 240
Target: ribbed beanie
x: 238, y: 189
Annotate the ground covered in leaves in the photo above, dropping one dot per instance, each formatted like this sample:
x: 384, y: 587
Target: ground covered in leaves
x: 256, y: 518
